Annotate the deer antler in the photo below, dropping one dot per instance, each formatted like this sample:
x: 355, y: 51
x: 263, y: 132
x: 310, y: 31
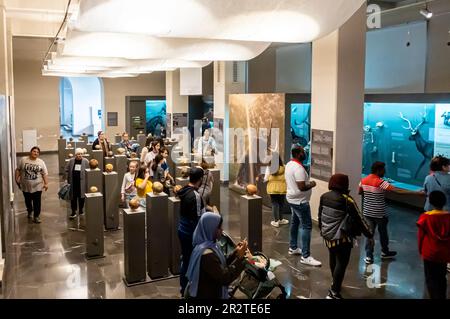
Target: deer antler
x: 408, y: 121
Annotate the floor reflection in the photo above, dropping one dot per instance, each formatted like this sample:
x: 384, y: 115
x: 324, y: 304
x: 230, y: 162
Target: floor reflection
x: 47, y: 260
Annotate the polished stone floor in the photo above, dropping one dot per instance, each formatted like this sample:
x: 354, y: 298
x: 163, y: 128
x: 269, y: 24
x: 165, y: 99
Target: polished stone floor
x: 47, y: 260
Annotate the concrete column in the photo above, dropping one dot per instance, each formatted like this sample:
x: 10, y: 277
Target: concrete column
x: 229, y: 78
x: 111, y: 199
x: 175, y: 249
x: 176, y: 103
x: 338, y: 72
x: 94, y: 225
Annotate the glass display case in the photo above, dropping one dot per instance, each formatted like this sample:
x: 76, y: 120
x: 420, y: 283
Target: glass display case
x: 405, y: 136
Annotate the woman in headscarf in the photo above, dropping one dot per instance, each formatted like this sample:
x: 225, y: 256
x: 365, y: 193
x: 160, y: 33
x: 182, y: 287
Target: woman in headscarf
x: 209, y: 272
x: 340, y: 221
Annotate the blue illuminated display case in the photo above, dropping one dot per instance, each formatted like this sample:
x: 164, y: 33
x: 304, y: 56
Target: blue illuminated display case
x: 405, y: 136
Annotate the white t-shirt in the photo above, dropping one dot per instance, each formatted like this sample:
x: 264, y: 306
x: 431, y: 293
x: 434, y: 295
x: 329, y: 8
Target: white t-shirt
x: 296, y: 173
x: 31, y: 174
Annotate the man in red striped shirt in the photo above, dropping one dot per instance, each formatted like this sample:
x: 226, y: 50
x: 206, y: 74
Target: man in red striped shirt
x: 373, y: 189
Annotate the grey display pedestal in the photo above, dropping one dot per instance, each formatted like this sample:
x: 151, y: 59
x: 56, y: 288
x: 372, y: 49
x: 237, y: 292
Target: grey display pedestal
x: 170, y: 161
x: 180, y: 168
x: 114, y: 147
x: 195, y: 164
x: 251, y: 221
x: 85, y: 138
x: 215, y: 193
x: 141, y: 138
x: 89, y: 149
x: 121, y: 166
x: 117, y: 139
x: 94, y: 177
x: 94, y: 226
x: 136, y: 159
x: 98, y: 155
x: 157, y: 235
x: 134, y: 245
x: 61, y: 155
x: 182, y: 181
x: 109, y: 160
x: 80, y: 144
x: 111, y: 200
x: 175, y: 249
x: 67, y: 151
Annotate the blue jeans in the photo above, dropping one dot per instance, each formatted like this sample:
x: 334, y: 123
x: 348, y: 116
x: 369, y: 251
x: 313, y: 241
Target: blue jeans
x: 301, y: 214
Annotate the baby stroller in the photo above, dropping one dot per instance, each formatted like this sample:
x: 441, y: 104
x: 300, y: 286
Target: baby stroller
x: 256, y: 281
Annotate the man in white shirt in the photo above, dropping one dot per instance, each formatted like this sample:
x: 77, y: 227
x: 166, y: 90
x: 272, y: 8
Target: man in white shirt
x: 298, y: 196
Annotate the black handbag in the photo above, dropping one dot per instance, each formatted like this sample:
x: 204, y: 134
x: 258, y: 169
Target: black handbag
x: 350, y: 226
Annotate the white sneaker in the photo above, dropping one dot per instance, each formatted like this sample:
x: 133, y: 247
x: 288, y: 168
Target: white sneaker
x: 310, y: 261
x: 275, y: 224
x: 297, y: 251
x: 283, y: 222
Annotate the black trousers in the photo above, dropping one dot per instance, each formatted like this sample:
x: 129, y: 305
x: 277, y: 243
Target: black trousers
x: 73, y: 204
x: 436, y: 279
x: 339, y: 258
x: 33, y: 202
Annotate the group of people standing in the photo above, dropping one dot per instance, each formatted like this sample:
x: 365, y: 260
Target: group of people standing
x: 341, y: 221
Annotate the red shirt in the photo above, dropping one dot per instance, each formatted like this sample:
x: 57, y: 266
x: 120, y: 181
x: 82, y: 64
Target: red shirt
x: 434, y: 236
x: 374, y: 188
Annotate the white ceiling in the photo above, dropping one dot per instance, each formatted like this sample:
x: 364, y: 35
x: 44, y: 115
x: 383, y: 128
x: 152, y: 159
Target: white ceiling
x: 36, y: 18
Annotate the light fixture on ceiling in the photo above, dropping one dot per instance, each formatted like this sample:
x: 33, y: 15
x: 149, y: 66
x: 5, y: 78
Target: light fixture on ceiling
x: 426, y: 13
x: 295, y: 21
x: 141, y: 46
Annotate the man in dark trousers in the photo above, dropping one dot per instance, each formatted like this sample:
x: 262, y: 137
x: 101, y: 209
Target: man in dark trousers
x: 191, y: 208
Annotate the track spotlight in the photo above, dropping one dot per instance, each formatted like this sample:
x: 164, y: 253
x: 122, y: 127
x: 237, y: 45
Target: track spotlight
x: 426, y: 13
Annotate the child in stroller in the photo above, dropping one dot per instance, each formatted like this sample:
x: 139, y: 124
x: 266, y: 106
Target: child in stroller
x: 256, y: 281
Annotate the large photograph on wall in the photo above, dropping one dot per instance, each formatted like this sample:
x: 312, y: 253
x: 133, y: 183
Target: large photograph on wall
x: 155, y: 114
x: 251, y: 114
x: 405, y: 136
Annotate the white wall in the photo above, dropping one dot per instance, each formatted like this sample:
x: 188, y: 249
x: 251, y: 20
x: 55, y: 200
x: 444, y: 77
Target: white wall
x: 391, y: 65
x: 37, y: 97
x: 293, y: 68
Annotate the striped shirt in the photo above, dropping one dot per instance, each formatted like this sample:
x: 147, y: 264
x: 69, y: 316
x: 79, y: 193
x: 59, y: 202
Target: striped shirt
x: 374, y: 188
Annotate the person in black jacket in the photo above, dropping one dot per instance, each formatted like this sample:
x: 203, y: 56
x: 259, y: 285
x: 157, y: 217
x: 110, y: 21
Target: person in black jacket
x: 191, y: 208
x: 102, y: 142
x: 340, y: 221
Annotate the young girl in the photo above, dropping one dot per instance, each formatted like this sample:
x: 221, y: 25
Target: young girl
x: 143, y: 184
x: 128, y: 189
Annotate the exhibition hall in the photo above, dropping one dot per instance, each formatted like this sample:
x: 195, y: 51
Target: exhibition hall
x: 200, y: 150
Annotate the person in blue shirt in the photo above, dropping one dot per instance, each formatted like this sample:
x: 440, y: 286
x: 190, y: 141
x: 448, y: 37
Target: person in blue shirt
x: 438, y: 180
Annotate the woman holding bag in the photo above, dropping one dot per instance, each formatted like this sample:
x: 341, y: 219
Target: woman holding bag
x: 76, y: 177
x: 340, y: 221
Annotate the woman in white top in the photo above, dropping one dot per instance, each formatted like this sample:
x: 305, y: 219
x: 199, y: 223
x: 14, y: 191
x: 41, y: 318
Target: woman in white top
x: 206, y: 145
x: 152, y: 154
x: 147, y: 148
x: 32, y: 176
x: 128, y: 190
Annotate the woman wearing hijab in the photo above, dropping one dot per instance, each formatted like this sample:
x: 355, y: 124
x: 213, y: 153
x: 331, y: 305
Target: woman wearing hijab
x: 340, y: 221
x: 209, y: 272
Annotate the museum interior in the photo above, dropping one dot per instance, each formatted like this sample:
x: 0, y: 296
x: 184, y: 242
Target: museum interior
x: 233, y: 149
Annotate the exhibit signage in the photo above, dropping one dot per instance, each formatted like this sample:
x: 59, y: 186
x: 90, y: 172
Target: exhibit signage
x: 322, y: 155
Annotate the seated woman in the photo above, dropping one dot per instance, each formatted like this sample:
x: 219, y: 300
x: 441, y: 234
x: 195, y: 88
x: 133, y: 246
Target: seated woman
x: 209, y: 272
x: 143, y: 184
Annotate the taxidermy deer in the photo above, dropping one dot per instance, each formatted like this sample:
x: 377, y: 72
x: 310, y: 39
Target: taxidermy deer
x: 424, y: 147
